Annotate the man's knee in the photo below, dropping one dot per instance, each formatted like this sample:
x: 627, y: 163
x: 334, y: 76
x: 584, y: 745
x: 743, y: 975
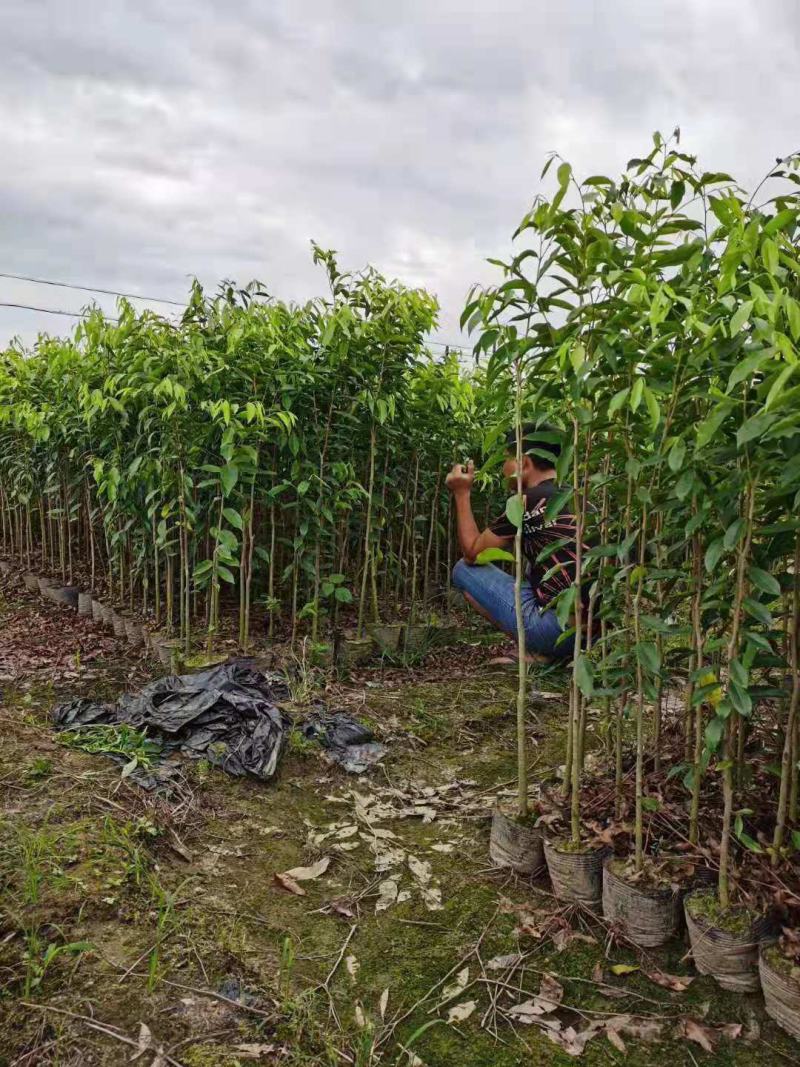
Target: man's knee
x: 461, y: 575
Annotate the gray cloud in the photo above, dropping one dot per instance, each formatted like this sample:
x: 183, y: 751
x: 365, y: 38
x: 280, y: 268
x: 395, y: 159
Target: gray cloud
x: 145, y: 143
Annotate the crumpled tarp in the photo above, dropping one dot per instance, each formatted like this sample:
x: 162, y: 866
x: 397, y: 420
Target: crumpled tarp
x: 346, y: 741
x: 227, y: 715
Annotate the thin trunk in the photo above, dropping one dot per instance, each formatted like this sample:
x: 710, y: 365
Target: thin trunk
x: 697, y: 663
x: 791, y: 719
x: 575, y: 788
x: 522, y: 669
x: 367, y: 534
x: 728, y: 753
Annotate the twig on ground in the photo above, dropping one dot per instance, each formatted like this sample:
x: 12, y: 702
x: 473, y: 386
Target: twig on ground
x: 101, y: 1028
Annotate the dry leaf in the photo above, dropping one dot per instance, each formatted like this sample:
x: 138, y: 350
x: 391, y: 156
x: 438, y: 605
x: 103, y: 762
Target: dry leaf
x: 459, y: 1012
x: 675, y: 983
x: 457, y: 987
x: 432, y: 896
x: 358, y: 1015
x: 447, y: 846
x: 144, y: 1041
x: 641, y: 1029
x: 624, y: 968
x: 383, y: 1003
x: 289, y: 884
x: 352, y: 965
x: 387, y: 894
x: 573, y: 1041
x: 421, y: 869
x: 252, y: 1051
x: 502, y: 963
x: 705, y: 1036
x: 545, y: 1002
x: 305, y: 874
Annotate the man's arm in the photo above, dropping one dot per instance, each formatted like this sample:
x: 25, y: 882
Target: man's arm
x: 470, y: 538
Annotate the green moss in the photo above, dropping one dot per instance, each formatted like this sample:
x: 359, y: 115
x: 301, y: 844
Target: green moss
x: 705, y: 905
x: 781, y: 963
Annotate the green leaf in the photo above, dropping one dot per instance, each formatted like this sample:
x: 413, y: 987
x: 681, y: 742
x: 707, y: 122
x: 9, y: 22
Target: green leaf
x: 489, y: 555
x: 636, y: 393
x: 676, y: 193
x: 229, y: 476
x: 624, y: 968
x: 715, y: 728
x: 756, y: 426
x: 777, y: 386
x: 714, y: 554
x: 344, y: 596
x: 514, y: 510
x: 733, y: 533
x: 769, y: 255
x: 764, y: 581
x: 652, y: 406
x: 647, y: 654
x: 584, y: 675
x: 233, y: 517
x: 225, y: 574
x: 741, y: 316
x: 684, y: 484
x: 747, y: 366
x: 617, y: 400
x: 709, y: 427
x: 677, y: 454
x: 758, y: 611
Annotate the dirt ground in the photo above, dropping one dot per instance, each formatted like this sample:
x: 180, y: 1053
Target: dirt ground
x: 139, y: 926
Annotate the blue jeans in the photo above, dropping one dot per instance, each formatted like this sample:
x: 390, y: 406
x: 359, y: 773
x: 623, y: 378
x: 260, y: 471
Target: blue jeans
x: 493, y: 591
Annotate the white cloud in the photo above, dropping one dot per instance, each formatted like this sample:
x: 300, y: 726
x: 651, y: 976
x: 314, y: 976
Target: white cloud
x: 148, y: 142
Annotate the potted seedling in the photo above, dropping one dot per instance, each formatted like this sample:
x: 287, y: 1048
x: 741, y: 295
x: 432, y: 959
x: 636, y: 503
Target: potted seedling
x: 779, y: 971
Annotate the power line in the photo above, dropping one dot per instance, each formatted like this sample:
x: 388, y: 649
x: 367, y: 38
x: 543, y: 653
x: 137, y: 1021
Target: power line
x: 49, y: 311
x: 92, y: 289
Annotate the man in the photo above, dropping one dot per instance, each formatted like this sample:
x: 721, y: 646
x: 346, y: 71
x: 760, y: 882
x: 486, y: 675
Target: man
x: 490, y: 590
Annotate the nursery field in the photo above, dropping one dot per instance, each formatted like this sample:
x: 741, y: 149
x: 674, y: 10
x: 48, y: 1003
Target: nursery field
x: 267, y: 792
x: 134, y: 921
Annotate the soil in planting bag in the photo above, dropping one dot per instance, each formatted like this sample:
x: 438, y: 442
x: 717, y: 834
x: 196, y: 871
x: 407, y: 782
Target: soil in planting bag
x: 227, y: 715
x: 346, y: 741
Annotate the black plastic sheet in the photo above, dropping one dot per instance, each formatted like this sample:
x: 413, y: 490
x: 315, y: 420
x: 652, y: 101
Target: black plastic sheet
x: 227, y: 714
x: 347, y: 741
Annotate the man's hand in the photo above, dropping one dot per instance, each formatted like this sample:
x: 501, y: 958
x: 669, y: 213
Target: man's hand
x: 460, y: 478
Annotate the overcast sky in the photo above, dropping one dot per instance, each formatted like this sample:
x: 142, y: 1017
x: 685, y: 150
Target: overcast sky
x: 145, y: 142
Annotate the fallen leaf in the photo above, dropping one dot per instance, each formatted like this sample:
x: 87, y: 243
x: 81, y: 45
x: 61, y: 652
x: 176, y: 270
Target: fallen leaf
x: 432, y: 896
x: 706, y: 1036
x: 421, y: 869
x: 383, y: 1003
x: 289, y: 884
x: 502, y: 963
x: 459, y: 1012
x: 250, y: 1051
x: 545, y: 1002
x: 352, y: 965
x: 440, y: 846
x: 144, y: 1041
x: 624, y: 968
x: 358, y: 1015
x: 457, y: 987
x: 573, y: 1041
x: 675, y: 983
x: 305, y: 874
x: 387, y: 894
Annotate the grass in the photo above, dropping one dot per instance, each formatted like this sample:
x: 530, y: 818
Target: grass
x: 92, y: 888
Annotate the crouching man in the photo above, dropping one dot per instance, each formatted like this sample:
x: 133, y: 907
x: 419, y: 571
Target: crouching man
x: 487, y: 588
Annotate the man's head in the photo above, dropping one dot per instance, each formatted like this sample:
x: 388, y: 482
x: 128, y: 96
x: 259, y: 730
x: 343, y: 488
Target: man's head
x: 541, y: 447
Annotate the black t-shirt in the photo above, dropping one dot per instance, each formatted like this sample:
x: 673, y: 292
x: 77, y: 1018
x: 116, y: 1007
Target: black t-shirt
x: 537, y: 533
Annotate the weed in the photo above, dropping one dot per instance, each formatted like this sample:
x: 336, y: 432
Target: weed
x: 115, y: 739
